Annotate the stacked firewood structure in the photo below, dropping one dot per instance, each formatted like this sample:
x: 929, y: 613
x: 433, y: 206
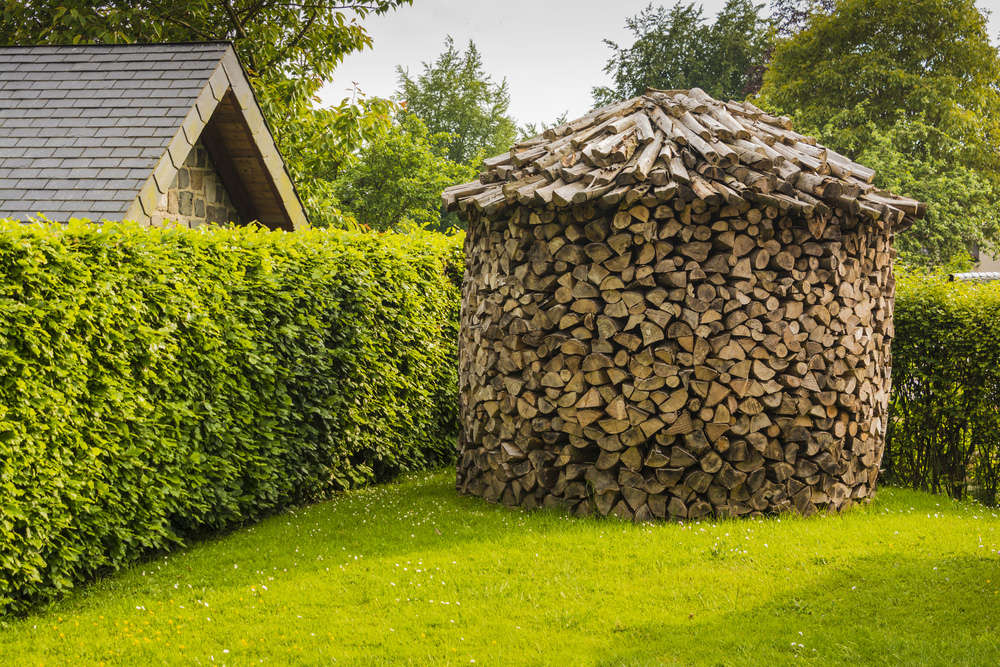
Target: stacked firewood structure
x: 675, y: 307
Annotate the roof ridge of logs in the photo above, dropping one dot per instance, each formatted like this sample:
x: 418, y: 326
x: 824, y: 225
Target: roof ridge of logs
x: 668, y: 141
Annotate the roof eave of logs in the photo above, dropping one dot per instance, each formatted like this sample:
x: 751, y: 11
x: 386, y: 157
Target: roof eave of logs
x: 667, y: 140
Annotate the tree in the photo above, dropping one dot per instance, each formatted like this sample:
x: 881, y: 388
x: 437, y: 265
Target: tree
x: 961, y: 202
x: 529, y: 130
x: 288, y: 47
x: 320, y: 143
x: 455, y: 96
x: 676, y: 49
x: 280, y: 41
x: 790, y: 17
x: 853, y: 71
x: 400, y: 176
x: 739, y: 42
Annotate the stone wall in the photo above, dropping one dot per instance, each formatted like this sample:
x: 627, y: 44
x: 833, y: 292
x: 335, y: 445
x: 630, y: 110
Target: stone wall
x: 197, y: 196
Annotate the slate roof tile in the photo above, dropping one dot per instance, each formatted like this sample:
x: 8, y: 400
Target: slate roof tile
x: 104, y: 162
x: 72, y: 163
x: 48, y: 163
x: 63, y: 183
x: 49, y: 172
x: 67, y: 195
x: 32, y: 183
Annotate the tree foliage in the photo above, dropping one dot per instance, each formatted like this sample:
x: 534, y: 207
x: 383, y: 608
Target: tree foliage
x: 676, y: 48
x: 454, y: 95
x: 529, y: 129
x: 961, y: 202
x: 399, y: 177
x: 910, y: 88
x: 289, y: 49
x: 857, y: 68
x: 790, y: 17
x: 321, y: 142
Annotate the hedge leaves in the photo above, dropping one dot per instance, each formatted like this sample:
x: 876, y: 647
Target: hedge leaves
x: 944, y: 430
x: 159, y: 383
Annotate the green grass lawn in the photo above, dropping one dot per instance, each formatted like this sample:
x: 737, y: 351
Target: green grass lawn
x: 410, y: 573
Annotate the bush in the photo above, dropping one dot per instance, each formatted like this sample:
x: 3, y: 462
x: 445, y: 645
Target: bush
x: 398, y: 178
x: 944, y: 427
x: 155, y: 384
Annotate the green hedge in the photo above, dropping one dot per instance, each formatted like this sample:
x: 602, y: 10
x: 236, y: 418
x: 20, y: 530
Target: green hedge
x: 155, y: 384
x: 944, y: 427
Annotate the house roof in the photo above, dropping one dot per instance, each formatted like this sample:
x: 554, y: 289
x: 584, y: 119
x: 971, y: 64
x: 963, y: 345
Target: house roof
x: 681, y: 142
x: 100, y: 131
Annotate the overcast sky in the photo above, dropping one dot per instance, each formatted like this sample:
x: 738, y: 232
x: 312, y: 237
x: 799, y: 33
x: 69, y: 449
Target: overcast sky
x: 550, y: 51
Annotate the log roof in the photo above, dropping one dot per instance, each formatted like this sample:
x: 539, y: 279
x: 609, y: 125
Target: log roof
x: 680, y: 142
x: 100, y: 131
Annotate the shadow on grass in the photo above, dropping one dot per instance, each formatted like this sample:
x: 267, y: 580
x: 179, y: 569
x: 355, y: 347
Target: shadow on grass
x: 875, y: 610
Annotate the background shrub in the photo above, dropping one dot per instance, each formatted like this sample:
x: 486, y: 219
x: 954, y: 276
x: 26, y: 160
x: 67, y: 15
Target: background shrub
x: 159, y: 383
x: 944, y: 427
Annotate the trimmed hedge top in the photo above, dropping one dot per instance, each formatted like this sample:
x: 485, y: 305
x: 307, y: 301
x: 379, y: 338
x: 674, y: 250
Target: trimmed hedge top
x: 159, y: 383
